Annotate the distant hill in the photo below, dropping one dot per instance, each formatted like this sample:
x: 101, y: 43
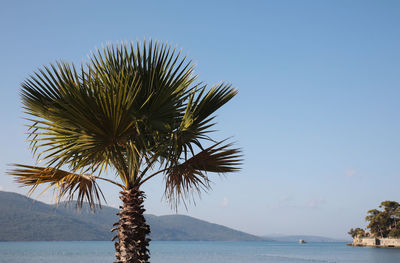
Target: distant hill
x: 296, y: 238
x: 180, y: 227
x: 24, y: 219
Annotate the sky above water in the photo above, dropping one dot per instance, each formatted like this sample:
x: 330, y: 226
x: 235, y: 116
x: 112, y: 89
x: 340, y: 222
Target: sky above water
x: 317, y: 114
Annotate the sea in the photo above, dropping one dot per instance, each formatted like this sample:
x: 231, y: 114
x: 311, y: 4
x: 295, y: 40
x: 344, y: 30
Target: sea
x: 198, y: 252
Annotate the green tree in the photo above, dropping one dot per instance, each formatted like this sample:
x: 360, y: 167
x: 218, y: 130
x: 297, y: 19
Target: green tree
x: 357, y: 232
x: 389, y: 206
x: 394, y: 233
x: 379, y: 224
x: 396, y: 217
x: 134, y: 110
x: 392, y: 208
x: 384, y: 223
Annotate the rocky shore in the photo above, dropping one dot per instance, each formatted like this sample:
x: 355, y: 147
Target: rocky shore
x: 376, y: 242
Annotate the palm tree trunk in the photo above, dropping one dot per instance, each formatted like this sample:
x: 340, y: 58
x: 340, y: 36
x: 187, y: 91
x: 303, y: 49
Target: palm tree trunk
x: 132, y: 243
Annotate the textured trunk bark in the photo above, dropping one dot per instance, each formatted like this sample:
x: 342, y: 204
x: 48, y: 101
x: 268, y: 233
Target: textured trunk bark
x: 132, y: 241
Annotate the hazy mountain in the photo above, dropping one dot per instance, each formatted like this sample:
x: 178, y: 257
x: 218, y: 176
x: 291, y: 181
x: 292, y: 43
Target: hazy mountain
x: 23, y: 219
x: 296, y: 238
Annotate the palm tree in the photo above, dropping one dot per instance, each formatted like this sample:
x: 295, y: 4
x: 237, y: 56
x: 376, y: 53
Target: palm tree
x: 134, y: 110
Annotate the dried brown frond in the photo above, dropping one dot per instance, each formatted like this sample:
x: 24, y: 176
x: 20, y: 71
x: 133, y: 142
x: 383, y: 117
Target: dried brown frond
x: 190, y: 177
x: 82, y: 187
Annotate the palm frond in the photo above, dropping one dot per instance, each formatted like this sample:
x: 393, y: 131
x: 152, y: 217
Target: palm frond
x: 130, y: 107
x: 197, y: 121
x: 80, y: 187
x: 91, y: 117
x: 189, y: 177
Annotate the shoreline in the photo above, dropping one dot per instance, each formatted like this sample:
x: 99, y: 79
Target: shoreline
x: 375, y: 242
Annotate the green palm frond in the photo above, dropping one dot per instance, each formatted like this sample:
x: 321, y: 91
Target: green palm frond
x: 130, y: 108
x: 112, y: 112
x: 193, y: 126
x: 80, y: 187
x: 197, y: 121
x: 190, y: 177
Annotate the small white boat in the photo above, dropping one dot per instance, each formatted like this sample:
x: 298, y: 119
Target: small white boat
x: 302, y: 241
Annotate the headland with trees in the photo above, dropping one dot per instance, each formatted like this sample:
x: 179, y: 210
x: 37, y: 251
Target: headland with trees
x: 383, y: 229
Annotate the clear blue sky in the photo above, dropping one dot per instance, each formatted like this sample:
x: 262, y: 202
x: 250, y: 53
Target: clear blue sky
x: 317, y: 112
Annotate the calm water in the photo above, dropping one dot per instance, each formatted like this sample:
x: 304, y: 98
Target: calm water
x: 197, y: 252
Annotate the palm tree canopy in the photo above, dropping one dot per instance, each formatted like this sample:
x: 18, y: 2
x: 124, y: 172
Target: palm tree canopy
x: 133, y: 108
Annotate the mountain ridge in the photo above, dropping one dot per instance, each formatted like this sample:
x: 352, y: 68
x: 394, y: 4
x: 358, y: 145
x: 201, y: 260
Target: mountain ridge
x: 25, y: 219
x: 296, y: 238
